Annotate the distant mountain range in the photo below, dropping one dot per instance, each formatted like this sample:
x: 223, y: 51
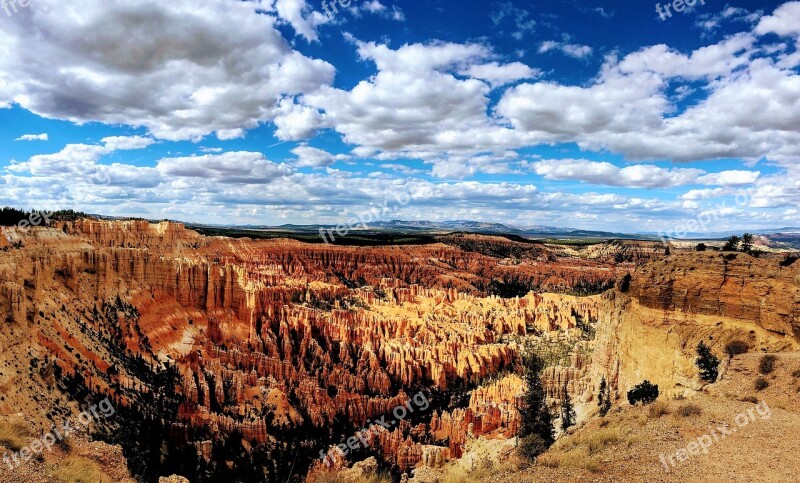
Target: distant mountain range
x: 468, y: 226
x: 783, y: 237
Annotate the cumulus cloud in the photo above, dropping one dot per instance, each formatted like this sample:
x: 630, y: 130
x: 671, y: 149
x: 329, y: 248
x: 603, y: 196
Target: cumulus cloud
x: 33, y: 137
x: 377, y: 8
x: 311, y: 157
x: 300, y: 16
x: 576, y: 51
x: 414, y: 102
x: 223, y: 70
x: 636, y: 176
x: 78, y: 159
x: 239, y: 167
x: 498, y: 75
x: 785, y: 21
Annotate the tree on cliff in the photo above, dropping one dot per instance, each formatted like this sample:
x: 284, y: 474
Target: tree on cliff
x: 568, y: 415
x: 536, y: 433
x: 644, y: 393
x: 707, y: 362
x: 604, y: 398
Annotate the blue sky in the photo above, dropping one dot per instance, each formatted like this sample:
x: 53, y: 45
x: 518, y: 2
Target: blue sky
x: 590, y: 114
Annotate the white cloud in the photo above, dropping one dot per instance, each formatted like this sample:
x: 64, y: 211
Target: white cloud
x: 414, y: 102
x: 576, y: 51
x: 222, y: 70
x: 79, y: 159
x: 498, y: 75
x: 636, y: 176
x: 785, y: 21
x: 373, y: 6
x: 729, y: 178
x: 311, y: 157
x: 241, y: 167
x: 33, y: 137
x: 300, y: 16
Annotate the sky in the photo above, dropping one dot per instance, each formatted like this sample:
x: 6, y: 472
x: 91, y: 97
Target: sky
x: 588, y: 114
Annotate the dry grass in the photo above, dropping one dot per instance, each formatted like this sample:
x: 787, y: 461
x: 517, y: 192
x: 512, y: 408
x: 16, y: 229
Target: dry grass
x: 575, y: 458
x: 581, y: 450
x: 658, y: 409
x: 14, y: 435
x: 484, y: 470
x: 76, y: 469
x: 688, y: 410
x: 336, y: 478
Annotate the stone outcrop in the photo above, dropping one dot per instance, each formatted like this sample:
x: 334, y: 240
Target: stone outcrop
x: 650, y: 329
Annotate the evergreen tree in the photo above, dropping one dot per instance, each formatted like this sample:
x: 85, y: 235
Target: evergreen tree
x: 604, y: 398
x: 707, y: 362
x: 732, y: 244
x: 536, y: 431
x: 747, y: 242
x: 644, y: 393
x: 568, y: 415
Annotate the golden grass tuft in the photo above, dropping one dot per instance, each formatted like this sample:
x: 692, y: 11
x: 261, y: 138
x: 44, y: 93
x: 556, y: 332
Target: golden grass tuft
x: 575, y: 458
x: 485, y: 469
x: 581, y: 450
x: 658, y: 409
x: 337, y: 478
x: 77, y: 469
x: 14, y: 435
x: 688, y: 410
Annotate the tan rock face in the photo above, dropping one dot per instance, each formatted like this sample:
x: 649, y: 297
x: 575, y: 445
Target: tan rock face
x: 652, y: 331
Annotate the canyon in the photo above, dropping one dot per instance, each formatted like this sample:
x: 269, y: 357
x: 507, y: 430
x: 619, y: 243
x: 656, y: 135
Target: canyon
x: 246, y: 360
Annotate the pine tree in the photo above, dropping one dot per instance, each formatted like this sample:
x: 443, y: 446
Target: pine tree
x: 568, y: 415
x: 536, y: 432
x: 732, y: 244
x: 604, y: 398
x: 707, y: 362
x: 747, y: 242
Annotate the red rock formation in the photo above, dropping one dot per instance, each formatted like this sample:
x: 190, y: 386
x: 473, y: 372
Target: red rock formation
x: 267, y: 334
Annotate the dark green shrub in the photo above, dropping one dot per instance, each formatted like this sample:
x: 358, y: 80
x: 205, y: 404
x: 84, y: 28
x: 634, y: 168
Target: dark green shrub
x: 604, y: 398
x: 707, y: 362
x: 767, y: 364
x: 736, y: 347
x: 625, y: 284
x: 644, y: 393
x: 761, y: 384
